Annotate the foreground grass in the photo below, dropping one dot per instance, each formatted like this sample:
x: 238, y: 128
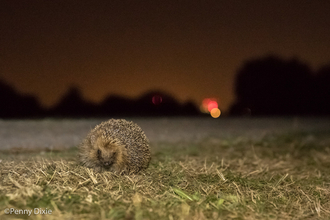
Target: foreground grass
x: 278, y: 177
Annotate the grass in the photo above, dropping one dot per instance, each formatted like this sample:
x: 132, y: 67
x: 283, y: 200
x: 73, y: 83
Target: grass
x: 277, y: 177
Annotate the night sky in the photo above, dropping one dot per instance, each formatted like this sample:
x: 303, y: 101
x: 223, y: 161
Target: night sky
x: 190, y: 49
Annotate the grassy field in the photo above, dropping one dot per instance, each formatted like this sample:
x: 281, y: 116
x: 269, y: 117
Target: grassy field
x: 278, y: 176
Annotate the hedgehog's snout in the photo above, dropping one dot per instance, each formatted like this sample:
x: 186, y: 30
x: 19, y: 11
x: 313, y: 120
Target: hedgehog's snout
x: 106, y: 159
x: 107, y: 163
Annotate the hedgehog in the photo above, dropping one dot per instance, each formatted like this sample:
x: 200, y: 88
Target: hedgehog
x: 115, y: 145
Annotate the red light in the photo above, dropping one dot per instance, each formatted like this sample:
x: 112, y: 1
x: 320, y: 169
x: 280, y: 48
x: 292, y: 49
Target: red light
x: 156, y: 99
x: 209, y: 104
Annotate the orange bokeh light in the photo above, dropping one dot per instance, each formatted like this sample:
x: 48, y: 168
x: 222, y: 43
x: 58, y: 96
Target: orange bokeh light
x: 215, y: 113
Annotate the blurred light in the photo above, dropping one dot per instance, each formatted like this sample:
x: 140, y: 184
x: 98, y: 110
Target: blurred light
x: 156, y: 99
x: 212, y: 104
x: 208, y: 104
x: 215, y: 113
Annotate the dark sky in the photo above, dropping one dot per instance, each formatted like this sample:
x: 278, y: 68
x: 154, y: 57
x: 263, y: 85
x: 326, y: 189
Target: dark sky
x: 190, y: 49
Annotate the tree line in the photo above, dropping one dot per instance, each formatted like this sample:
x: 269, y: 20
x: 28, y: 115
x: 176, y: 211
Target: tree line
x: 274, y: 86
x: 266, y: 86
x: 73, y: 105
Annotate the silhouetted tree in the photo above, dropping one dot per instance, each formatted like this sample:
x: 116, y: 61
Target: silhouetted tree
x: 155, y: 103
x: 73, y: 104
x: 116, y: 105
x: 15, y: 105
x: 189, y: 108
x: 272, y: 86
x: 322, y: 87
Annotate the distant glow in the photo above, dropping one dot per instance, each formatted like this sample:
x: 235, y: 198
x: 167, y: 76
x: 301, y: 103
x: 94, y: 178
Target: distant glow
x: 208, y: 104
x: 212, y: 105
x: 156, y: 99
x: 215, y: 113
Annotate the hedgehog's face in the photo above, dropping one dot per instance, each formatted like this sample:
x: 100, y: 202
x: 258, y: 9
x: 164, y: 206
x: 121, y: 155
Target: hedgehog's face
x: 105, y: 153
x: 106, y: 156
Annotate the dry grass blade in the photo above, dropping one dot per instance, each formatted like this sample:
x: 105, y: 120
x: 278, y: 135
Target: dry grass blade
x: 91, y: 175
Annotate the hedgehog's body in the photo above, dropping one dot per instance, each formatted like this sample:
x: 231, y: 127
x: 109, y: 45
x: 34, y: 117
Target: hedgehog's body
x: 116, y: 145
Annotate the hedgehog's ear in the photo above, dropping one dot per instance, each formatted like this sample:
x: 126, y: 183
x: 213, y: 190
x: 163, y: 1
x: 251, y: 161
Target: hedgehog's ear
x: 93, y: 139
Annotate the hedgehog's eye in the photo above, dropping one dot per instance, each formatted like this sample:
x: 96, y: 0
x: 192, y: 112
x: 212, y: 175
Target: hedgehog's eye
x: 99, y: 152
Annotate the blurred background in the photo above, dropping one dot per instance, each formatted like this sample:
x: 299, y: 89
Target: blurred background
x: 164, y: 58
